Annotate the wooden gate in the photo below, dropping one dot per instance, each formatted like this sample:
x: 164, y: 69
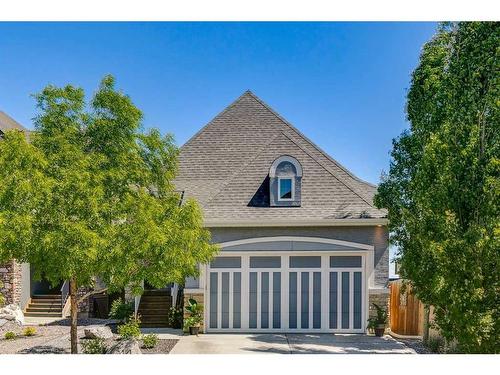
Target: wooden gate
x: 407, y: 312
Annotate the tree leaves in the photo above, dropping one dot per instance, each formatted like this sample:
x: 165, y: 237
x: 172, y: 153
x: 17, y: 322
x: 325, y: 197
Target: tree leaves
x: 442, y: 191
x: 92, y: 195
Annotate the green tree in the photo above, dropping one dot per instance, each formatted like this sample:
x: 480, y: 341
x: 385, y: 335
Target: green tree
x: 443, y: 189
x: 91, y: 195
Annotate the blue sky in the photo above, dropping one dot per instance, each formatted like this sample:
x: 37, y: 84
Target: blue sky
x: 341, y: 84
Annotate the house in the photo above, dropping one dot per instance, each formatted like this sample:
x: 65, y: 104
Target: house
x: 303, y: 248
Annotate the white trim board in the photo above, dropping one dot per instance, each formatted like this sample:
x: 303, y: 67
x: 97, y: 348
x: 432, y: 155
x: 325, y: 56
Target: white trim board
x: 297, y: 239
x: 229, y: 223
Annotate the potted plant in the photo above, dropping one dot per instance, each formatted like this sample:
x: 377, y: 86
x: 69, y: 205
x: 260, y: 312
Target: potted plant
x: 195, y: 318
x: 378, y: 322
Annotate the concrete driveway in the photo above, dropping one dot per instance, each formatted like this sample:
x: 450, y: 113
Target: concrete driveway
x: 289, y: 344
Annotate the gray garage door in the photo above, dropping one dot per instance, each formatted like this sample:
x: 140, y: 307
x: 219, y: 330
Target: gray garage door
x: 286, y: 292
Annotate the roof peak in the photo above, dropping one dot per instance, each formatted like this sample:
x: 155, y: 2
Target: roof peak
x: 8, y: 123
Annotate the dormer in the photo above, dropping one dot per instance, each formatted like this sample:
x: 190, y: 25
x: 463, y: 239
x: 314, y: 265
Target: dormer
x: 285, y: 176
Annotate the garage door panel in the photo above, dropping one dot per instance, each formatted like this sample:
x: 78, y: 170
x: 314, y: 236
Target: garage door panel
x: 287, y: 292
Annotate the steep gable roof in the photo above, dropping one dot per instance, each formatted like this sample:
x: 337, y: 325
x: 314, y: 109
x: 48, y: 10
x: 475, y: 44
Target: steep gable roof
x: 8, y: 123
x: 226, y: 163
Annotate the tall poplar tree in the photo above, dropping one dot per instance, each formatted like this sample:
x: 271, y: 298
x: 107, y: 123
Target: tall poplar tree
x: 443, y: 187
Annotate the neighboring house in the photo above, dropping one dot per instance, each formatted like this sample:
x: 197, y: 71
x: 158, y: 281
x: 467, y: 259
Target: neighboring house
x: 303, y: 248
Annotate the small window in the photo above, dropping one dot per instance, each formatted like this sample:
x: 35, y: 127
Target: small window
x: 345, y: 261
x: 226, y: 262
x: 305, y: 262
x: 285, y: 189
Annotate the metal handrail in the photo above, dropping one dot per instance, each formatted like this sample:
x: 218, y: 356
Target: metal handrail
x: 64, y: 292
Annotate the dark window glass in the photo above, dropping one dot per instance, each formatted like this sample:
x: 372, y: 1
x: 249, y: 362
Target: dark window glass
x: 345, y: 299
x: 345, y: 261
x: 317, y: 300
x: 226, y: 262
x: 292, y: 304
x: 213, y: 299
x: 357, y: 300
x: 333, y: 300
x: 285, y: 188
x: 265, y: 262
x: 276, y: 299
x: 253, y: 300
x: 264, y: 300
x: 304, y: 295
x: 237, y: 300
x: 225, y: 300
x: 305, y: 262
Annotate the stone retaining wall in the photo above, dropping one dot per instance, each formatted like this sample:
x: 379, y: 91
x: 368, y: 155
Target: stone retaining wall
x: 10, y: 275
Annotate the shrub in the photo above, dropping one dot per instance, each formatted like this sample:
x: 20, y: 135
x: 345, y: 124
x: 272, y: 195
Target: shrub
x: 379, y: 319
x: 130, y: 329
x: 174, y: 317
x: 9, y: 335
x: 195, y: 311
x: 121, y: 310
x: 436, y: 344
x: 149, y: 341
x: 29, y: 331
x: 94, y: 346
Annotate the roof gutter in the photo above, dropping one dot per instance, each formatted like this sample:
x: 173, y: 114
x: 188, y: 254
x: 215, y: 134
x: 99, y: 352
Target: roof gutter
x: 214, y: 223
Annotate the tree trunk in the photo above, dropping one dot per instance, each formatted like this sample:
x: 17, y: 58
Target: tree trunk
x: 426, y: 324
x: 74, y: 315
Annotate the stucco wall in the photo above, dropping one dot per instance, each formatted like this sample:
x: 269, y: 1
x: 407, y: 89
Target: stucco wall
x: 376, y: 236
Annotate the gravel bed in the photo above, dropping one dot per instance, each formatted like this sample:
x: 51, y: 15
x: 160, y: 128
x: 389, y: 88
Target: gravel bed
x: 164, y: 346
x: 416, y: 345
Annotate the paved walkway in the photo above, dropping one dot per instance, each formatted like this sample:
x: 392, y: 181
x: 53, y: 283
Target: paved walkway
x: 289, y: 344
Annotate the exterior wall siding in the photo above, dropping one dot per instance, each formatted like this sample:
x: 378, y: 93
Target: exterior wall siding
x: 375, y: 236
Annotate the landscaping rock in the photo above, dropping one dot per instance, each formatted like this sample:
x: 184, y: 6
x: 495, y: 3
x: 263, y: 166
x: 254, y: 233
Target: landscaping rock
x: 125, y: 347
x: 3, y: 321
x: 12, y: 312
x: 98, y: 333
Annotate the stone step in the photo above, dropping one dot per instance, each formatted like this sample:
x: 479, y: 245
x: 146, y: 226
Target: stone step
x: 46, y: 305
x: 37, y: 309
x: 154, y: 325
x: 46, y: 296
x: 43, y: 314
x: 155, y: 306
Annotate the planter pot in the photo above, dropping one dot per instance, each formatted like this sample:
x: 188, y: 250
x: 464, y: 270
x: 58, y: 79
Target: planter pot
x: 194, y: 330
x: 379, y: 330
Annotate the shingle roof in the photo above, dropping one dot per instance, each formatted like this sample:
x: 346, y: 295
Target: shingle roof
x: 8, y: 123
x: 227, y: 162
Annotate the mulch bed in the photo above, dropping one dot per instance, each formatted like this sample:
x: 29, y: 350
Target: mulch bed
x: 164, y: 346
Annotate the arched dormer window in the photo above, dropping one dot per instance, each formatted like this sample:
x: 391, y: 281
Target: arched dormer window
x: 285, y: 176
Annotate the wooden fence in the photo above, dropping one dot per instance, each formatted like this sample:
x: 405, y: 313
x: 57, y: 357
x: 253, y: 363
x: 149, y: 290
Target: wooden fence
x: 406, y: 311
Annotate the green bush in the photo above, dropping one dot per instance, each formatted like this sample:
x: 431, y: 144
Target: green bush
x: 9, y: 335
x: 94, y: 346
x: 130, y: 329
x: 195, y: 311
x: 29, y: 331
x: 174, y: 317
x: 121, y: 310
x: 149, y: 341
x: 436, y: 344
